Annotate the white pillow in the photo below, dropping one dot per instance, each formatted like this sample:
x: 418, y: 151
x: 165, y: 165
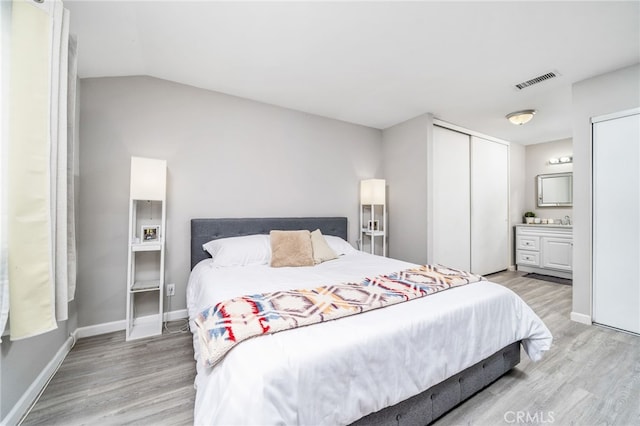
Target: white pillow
x: 339, y: 245
x: 240, y: 251
x: 321, y: 250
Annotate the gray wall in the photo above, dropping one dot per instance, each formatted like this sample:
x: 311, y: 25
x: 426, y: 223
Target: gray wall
x: 226, y: 157
x: 404, y: 149
x: 615, y: 91
x: 24, y: 360
x: 538, y: 163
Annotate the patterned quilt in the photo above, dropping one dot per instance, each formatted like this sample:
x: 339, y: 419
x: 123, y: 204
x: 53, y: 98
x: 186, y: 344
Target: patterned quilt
x: 228, y: 323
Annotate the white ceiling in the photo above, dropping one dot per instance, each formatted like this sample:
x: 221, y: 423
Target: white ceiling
x: 371, y: 63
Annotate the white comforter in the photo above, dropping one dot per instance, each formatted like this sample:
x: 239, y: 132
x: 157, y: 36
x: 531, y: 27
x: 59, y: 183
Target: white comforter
x: 339, y: 371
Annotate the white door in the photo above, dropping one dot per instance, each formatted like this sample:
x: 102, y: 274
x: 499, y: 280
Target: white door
x: 616, y: 221
x: 489, y: 206
x: 557, y: 253
x: 451, y: 217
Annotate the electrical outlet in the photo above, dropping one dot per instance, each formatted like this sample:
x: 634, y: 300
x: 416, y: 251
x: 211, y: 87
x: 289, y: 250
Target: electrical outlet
x: 171, y: 290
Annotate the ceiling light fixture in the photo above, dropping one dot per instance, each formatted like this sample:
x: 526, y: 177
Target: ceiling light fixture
x: 521, y: 117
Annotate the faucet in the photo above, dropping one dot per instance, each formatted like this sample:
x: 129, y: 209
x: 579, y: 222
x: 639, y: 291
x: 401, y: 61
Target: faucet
x: 566, y: 220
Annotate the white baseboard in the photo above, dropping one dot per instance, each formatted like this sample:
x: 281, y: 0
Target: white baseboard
x: 176, y: 315
x: 511, y: 268
x: 581, y: 318
x: 98, y: 329
x: 32, y: 392
x: 110, y: 327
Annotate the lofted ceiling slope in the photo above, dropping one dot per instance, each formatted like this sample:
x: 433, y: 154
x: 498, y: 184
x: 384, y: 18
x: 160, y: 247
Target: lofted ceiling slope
x: 371, y: 63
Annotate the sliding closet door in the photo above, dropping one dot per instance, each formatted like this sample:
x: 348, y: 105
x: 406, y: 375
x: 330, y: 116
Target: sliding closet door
x: 616, y: 222
x: 489, y: 206
x: 451, y: 217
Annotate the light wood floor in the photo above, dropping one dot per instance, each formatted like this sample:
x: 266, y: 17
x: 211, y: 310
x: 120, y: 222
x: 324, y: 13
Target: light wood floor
x: 107, y: 381
x: 591, y: 376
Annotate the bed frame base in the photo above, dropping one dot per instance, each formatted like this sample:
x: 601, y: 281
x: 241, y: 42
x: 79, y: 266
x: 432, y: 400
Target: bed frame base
x: 427, y: 406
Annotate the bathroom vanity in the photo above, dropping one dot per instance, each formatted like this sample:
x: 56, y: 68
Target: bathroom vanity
x: 545, y: 249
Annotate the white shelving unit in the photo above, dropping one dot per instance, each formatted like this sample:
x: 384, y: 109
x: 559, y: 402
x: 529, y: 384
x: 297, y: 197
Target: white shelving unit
x: 145, y: 278
x: 373, y: 215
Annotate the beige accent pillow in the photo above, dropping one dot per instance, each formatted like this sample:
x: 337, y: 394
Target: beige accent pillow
x: 291, y: 248
x: 321, y: 250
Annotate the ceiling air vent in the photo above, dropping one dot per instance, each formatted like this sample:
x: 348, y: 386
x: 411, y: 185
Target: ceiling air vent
x: 537, y: 80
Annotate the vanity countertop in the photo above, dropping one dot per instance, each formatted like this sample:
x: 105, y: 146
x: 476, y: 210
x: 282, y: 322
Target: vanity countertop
x: 545, y: 225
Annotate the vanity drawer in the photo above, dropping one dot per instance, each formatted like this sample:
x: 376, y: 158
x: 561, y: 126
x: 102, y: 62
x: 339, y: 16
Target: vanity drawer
x: 530, y: 258
x: 527, y: 242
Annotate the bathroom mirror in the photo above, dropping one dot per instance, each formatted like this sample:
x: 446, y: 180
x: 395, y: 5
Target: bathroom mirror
x: 555, y: 190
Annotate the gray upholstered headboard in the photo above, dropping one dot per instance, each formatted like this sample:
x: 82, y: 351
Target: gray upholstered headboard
x: 205, y: 230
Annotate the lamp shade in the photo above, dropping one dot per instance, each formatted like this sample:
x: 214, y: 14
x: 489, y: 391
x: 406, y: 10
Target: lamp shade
x: 373, y: 191
x: 148, y: 178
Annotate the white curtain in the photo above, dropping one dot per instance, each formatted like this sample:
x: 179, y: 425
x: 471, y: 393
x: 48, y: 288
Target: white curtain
x: 41, y: 246
x: 5, y: 23
x: 72, y: 262
x: 59, y: 170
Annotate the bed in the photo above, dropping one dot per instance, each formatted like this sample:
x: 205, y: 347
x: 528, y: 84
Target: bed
x: 403, y: 364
